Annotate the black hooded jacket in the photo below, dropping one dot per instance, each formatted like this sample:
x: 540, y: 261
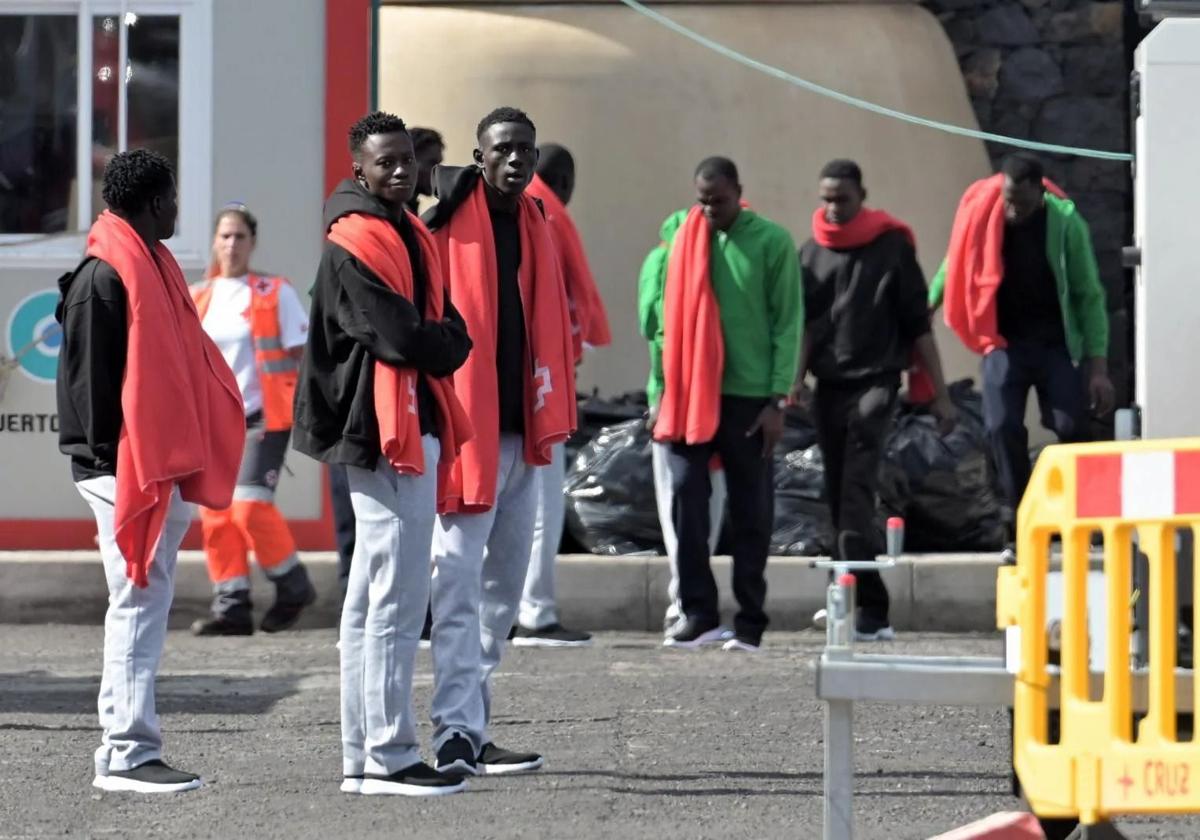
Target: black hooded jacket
x: 453, y: 185
x: 91, y: 367
x: 356, y: 321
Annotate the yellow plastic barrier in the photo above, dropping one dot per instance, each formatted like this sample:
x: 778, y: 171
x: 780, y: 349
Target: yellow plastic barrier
x: 1099, y: 769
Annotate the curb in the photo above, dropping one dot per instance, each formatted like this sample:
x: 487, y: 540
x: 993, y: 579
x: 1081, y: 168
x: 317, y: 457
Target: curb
x: 940, y: 592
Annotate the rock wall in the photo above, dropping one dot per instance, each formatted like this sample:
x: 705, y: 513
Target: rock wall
x: 1056, y: 71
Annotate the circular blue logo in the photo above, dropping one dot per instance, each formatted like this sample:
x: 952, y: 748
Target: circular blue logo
x: 35, y: 336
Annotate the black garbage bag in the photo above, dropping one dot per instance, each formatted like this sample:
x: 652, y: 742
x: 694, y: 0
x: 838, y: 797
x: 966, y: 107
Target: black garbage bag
x: 595, y: 412
x: 944, y: 487
x: 610, y: 492
x: 803, y: 525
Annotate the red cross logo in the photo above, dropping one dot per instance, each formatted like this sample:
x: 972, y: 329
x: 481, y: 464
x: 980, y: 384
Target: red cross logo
x: 263, y: 286
x: 1126, y: 782
x: 541, y: 376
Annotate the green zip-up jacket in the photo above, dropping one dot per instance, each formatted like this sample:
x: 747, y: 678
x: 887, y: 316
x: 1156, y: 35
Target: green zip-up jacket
x: 756, y: 277
x: 1080, y: 293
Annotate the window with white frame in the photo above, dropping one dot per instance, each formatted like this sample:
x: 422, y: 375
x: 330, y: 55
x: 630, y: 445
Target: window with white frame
x: 81, y: 80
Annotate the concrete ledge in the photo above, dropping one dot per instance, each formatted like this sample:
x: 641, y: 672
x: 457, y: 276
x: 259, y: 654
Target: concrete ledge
x: 950, y: 592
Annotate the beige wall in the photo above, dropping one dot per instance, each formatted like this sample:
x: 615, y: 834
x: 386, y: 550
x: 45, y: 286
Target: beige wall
x: 639, y: 106
x: 268, y: 150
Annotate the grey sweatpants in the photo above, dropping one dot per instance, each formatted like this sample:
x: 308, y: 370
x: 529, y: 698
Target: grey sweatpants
x: 479, y: 563
x: 663, y: 494
x: 539, y: 608
x: 135, y: 629
x: 384, y: 611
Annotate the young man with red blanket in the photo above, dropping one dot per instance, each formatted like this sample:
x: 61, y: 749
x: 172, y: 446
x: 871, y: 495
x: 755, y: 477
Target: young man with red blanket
x: 732, y: 318
x: 1021, y: 287
x: 152, y: 419
x: 376, y: 394
x: 865, y: 313
x: 538, y: 622
x: 519, y: 388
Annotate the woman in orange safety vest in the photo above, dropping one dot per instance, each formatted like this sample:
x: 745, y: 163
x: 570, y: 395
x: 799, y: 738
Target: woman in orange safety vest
x: 260, y: 326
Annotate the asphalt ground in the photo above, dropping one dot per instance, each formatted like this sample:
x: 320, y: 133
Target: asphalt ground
x: 640, y: 742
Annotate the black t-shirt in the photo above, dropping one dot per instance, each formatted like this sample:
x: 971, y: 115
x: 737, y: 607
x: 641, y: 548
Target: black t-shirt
x: 1027, y: 304
x: 510, y: 322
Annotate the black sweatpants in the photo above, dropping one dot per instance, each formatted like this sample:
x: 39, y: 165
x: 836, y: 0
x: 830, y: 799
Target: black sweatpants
x: 852, y: 420
x: 749, y: 479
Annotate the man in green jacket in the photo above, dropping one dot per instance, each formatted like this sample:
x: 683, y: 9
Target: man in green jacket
x: 1049, y: 328
x: 749, y: 270
x: 650, y: 311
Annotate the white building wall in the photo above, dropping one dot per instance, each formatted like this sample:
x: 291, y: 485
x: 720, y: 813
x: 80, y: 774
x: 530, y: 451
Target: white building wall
x: 267, y: 69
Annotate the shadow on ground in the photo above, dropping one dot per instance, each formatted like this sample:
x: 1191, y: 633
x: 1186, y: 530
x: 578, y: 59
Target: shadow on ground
x: 201, y: 694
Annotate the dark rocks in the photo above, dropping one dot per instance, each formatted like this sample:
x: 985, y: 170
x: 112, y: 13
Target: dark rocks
x: 1093, y: 69
x: 1082, y: 121
x: 1030, y: 75
x: 981, y: 72
x: 1007, y: 25
x: 1054, y: 71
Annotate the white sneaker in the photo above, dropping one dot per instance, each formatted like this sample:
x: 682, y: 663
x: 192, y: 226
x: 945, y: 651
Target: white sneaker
x: 685, y: 634
x: 880, y: 634
x: 352, y: 784
x: 737, y: 644
x: 819, y: 619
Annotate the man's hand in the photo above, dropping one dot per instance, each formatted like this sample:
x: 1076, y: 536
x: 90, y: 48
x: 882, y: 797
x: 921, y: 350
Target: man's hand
x: 946, y: 413
x: 1101, y: 393
x: 652, y: 417
x: 770, y: 421
x: 802, y: 395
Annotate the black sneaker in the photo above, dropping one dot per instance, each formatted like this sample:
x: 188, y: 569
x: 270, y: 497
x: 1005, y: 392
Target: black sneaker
x: 289, y: 604
x: 552, y: 635
x: 494, y: 761
x: 417, y: 780
x: 456, y: 758
x: 223, y: 625
x: 869, y: 628
x: 151, y: 777
x: 690, y: 633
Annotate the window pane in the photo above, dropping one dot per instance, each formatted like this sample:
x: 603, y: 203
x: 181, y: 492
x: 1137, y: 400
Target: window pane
x: 153, y: 89
x: 38, y: 100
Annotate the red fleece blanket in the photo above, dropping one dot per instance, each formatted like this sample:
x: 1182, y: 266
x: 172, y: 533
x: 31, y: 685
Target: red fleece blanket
x: 589, y: 320
x: 468, y: 252
x: 693, y: 355
x: 377, y: 244
x: 975, y: 264
x: 183, y: 418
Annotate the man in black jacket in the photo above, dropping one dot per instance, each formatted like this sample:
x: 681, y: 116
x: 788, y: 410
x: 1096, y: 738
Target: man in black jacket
x: 865, y: 313
x: 114, y: 360
x: 359, y: 321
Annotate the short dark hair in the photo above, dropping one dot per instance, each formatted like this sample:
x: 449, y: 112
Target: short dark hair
x: 712, y: 168
x: 423, y: 138
x: 504, y: 114
x: 844, y: 170
x: 1023, y: 168
x: 133, y: 178
x: 553, y: 160
x: 378, y: 122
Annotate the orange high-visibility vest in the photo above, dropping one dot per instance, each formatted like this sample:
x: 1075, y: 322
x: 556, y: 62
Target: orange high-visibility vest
x: 277, y: 370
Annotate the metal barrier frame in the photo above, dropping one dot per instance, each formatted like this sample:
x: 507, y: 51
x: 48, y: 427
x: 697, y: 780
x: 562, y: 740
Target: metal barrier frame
x: 844, y: 677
